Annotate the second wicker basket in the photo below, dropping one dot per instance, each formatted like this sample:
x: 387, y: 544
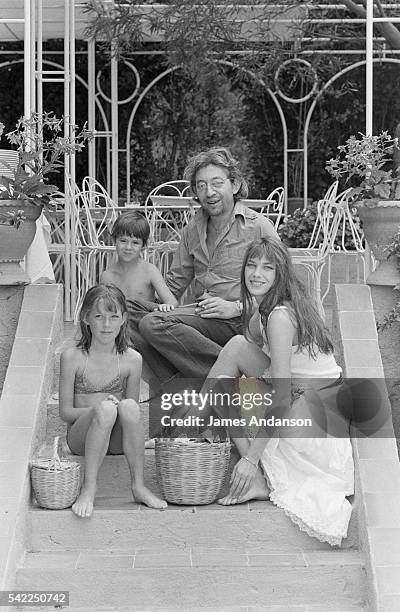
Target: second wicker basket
x: 191, y: 472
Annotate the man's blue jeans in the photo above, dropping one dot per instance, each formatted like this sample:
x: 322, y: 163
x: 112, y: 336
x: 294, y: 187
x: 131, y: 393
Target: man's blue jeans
x: 180, y: 341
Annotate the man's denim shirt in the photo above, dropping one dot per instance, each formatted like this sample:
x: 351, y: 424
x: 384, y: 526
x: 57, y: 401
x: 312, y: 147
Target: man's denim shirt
x: 219, y: 274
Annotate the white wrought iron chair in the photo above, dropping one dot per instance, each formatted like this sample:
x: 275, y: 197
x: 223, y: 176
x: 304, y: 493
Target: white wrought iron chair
x: 349, y: 231
x: 93, y: 214
x: 168, y: 208
x: 316, y: 256
x: 331, y: 192
x: 8, y: 162
x: 56, y: 248
x: 274, y: 208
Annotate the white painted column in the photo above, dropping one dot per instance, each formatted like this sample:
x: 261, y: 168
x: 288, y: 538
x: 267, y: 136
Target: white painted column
x: 114, y: 126
x: 369, y: 68
x: 369, y: 92
x: 69, y: 161
x: 91, y: 105
x: 28, y: 59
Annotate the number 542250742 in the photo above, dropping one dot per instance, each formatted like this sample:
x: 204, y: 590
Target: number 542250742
x: 34, y: 598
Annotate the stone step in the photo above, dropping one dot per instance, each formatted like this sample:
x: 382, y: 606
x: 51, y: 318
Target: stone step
x: 118, y: 523
x: 117, y: 519
x: 114, y: 485
x: 203, y: 577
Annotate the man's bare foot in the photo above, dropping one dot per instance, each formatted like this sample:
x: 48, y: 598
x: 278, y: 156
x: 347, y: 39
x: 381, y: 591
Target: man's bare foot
x: 83, y: 507
x: 143, y: 495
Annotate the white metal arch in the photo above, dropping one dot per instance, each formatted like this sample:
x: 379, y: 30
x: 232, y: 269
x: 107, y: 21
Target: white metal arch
x: 283, y: 124
x: 77, y: 77
x: 170, y: 70
x: 138, y: 102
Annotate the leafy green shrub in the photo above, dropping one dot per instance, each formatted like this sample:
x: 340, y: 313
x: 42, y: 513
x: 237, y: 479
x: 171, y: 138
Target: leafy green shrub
x: 297, y: 229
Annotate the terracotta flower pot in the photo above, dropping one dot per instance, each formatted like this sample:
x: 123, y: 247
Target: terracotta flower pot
x: 380, y: 219
x: 14, y: 243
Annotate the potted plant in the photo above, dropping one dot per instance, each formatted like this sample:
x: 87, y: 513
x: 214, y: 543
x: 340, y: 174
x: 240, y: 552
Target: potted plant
x: 25, y: 189
x: 393, y: 251
x: 370, y: 165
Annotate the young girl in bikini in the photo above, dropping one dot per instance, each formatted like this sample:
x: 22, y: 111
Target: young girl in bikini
x: 307, y: 473
x: 99, y: 389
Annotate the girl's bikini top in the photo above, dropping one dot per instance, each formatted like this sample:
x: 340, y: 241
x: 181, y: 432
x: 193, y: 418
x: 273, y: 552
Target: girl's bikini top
x: 84, y: 385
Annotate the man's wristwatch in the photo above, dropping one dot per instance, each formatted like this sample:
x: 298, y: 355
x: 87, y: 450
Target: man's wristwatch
x: 239, y: 305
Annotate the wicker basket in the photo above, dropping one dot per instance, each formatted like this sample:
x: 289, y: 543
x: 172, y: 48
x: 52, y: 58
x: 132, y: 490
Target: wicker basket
x: 191, y: 471
x: 55, y: 481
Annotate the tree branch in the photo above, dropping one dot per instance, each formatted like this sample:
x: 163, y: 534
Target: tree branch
x: 387, y: 30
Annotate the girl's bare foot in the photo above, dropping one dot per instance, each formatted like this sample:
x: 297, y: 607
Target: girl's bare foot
x: 143, y: 495
x: 252, y: 493
x: 83, y: 507
x: 258, y: 490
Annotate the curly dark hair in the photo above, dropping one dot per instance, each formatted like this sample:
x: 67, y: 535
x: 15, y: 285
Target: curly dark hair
x: 217, y: 156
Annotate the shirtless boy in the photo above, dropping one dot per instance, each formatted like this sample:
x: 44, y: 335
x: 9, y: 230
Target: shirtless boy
x: 137, y: 279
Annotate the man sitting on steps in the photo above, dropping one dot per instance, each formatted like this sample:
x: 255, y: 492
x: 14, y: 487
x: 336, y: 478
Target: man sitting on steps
x: 186, y: 341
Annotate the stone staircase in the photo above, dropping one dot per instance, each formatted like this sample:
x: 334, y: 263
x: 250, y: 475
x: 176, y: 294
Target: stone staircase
x: 128, y: 557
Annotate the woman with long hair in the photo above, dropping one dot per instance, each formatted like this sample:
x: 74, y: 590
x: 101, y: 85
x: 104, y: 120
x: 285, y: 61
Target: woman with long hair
x: 302, y: 460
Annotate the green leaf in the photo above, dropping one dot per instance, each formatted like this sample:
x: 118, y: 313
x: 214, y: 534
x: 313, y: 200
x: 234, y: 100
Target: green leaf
x: 5, y: 181
x: 382, y: 190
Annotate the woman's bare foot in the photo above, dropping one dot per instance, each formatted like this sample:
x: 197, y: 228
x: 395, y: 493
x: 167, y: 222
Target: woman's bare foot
x: 258, y: 490
x: 143, y: 495
x: 83, y: 507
